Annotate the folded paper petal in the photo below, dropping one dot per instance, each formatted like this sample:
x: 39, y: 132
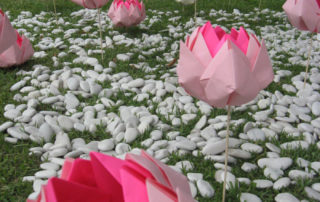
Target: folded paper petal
x: 136, y: 193
x: 106, y: 171
x: 189, y: 71
x: 223, y: 69
x: 156, y: 192
x: 7, y: 33
x: 126, y: 14
x: 91, y: 4
x: 58, y: 190
x: 304, y: 15
x: 176, y: 180
x: 149, y: 168
x: 81, y: 172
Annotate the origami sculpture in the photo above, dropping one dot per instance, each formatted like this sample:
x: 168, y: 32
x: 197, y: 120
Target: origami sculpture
x: 138, y: 178
x: 14, y: 49
x: 304, y: 15
x: 91, y: 4
x: 223, y: 69
x: 7, y: 33
x: 128, y: 13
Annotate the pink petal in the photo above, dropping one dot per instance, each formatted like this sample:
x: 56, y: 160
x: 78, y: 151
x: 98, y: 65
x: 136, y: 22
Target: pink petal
x: 107, y: 174
x: 133, y: 184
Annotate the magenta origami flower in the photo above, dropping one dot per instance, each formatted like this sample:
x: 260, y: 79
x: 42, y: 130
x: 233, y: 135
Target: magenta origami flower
x: 7, y: 33
x: 18, y: 48
x: 126, y: 13
x: 138, y: 178
x: 91, y: 4
x: 223, y: 69
x: 303, y: 14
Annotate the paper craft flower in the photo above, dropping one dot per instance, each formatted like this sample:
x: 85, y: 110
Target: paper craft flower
x: 186, y: 2
x: 91, y: 4
x: 138, y: 178
x: 18, y: 50
x: 223, y: 69
x: 303, y: 14
x: 128, y: 13
x: 7, y: 33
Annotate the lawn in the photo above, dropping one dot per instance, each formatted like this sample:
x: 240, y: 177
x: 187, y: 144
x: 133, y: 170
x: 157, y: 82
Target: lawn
x: 16, y: 160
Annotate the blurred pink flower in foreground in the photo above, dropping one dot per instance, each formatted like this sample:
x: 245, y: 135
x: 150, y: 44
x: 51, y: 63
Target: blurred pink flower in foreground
x: 128, y: 13
x: 303, y: 14
x: 223, y: 69
x: 91, y: 4
x: 14, y: 49
x: 138, y: 178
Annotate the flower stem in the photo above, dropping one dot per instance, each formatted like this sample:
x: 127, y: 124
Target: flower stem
x: 100, y: 29
x: 55, y: 10
x: 226, y: 155
x: 308, y: 62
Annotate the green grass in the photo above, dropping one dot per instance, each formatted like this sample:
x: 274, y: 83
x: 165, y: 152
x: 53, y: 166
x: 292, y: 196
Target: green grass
x: 15, y: 161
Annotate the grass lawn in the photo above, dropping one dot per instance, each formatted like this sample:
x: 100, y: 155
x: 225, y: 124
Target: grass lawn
x: 15, y: 161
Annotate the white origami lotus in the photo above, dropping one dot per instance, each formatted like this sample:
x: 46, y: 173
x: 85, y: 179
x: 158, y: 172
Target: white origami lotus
x: 128, y: 13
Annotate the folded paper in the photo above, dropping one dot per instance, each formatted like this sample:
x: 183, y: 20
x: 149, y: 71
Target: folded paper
x: 91, y: 4
x: 16, y: 49
x: 126, y: 13
x: 303, y: 14
x: 223, y: 69
x: 138, y: 178
x: 7, y: 33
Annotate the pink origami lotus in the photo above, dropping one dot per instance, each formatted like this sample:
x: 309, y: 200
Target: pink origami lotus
x: 138, y: 178
x: 303, y: 14
x: 18, y: 50
x: 91, y: 4
x: 7, y: 33
x: 126, y: 14
x: 223, y: 69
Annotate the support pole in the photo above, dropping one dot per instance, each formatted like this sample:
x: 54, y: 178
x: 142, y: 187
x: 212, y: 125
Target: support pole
x: 55, y: 10
x: 100, y: 29
x: 308, y: 62
x: 226, y: 155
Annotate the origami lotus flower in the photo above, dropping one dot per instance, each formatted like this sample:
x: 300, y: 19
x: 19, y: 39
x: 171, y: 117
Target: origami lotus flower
x: 186, y: 2
x: 91, y: 4
x: 7, y: 33
x: 138, y: 178
x: 126, y: 14
x: 223, y: 69
x: 303, y: 14
x: 18, y: 50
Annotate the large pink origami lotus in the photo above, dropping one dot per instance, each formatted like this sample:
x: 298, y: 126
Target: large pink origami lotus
x: 223, y: 69
x: 18, y: 50
x: 7, y: 33
x: 303, y: 14
x: 128, y: 13
x: 91, y: 4
x: 138, y: 178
